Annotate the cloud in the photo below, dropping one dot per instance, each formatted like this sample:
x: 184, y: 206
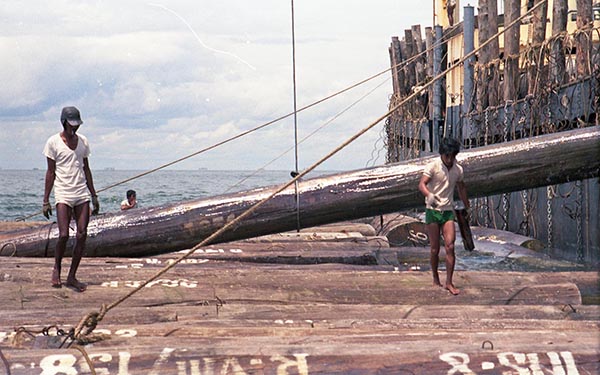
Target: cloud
x: 153, y: 86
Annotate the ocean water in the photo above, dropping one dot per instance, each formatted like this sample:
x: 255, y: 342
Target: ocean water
x: 22, y: 191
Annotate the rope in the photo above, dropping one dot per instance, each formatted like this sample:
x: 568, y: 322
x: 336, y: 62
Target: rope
x: 5, y: 362
x: 14, y: 253
x: 87, y: 358
x: 295, y: 119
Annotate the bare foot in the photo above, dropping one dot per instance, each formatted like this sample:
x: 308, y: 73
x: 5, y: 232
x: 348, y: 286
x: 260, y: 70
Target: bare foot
x: 452, y: 289
x: 56, y: 279
x: 76, y: 285
x: 438, y: 284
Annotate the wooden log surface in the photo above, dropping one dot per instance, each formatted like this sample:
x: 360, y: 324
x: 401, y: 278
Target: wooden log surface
x: 401, y: 230
x: 343, y: 227
x: 488, y: 170
x: 215, y: 317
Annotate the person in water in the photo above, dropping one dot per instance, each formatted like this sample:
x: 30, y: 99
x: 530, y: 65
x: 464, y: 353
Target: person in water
x: 130, y: 202
x: 69, y: 174
x: 437, y: 185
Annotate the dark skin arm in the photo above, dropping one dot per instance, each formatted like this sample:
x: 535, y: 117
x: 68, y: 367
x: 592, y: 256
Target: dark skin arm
x: 423, y: 185
x: 88, y: 177
x: 90, y: 185
x: 462, y: 193
x: 49, y: 181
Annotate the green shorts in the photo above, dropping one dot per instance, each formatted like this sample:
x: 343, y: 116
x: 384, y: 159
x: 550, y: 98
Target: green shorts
x: 438, y: 217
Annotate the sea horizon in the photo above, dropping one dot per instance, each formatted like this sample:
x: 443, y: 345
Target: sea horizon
x: 22, y: 190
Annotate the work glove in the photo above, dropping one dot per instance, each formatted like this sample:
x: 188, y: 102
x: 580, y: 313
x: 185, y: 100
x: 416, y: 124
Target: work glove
x: 432, y: 200
x: 96, y: 205
x: 47, y: 210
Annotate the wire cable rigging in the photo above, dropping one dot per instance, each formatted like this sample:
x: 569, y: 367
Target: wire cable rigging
x: 310, y: 134
x: 264, y: 125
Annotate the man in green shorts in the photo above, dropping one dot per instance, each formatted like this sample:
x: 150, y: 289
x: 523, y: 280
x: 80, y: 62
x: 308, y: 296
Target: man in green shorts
x: 437, y: 185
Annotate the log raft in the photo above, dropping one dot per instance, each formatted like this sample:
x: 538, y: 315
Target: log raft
x: 222, y: 317
x: 495, y: 169
x: 258, y: 306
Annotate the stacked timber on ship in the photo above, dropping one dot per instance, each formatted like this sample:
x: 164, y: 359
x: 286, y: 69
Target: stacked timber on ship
x: 533, y: 70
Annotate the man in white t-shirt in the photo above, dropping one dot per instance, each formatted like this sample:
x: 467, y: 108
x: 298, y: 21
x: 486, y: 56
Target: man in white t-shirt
x: 70, y: 175
x: 437, y: 185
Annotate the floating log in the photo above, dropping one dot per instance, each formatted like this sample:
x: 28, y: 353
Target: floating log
x: 495, y: 169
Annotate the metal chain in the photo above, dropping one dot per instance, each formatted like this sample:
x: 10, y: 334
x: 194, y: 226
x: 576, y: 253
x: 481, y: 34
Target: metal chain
x: 505, y: 208
x: 523, y: 117
x: 525, y: 200
x: 486, y: 127
x: 507, y: 104
x: 505, y: 196
x: 549, y: 197
x: 579, y: 218
x: 486, y: 216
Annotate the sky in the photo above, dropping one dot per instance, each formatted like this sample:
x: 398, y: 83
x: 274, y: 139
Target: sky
x: 158, y: 81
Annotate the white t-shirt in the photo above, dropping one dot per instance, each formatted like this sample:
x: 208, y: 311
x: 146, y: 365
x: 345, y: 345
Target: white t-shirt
x: 125, y: 203
x: 70, y: 182
x: 442, y: 182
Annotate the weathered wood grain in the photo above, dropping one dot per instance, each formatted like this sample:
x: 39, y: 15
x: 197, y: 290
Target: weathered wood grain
x: 488, y: 170
x: 225, y: 317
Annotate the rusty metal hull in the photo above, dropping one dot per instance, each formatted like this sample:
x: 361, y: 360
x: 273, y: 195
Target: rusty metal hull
x: 502, y: 168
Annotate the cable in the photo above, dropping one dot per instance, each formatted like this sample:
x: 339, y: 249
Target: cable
x: 295, y: 119
x: 309, y: 135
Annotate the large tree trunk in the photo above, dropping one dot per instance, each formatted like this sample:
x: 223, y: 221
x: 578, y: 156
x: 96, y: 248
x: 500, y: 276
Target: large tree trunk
x: 501, y: 168
x: 511, y: 50
x: 560, y: 9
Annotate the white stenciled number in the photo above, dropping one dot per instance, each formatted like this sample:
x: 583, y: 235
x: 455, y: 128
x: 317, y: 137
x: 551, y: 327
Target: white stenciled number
x: 417, y: 236
x: 299, y: 364
x: 459, y: 363
x: 58, y: 364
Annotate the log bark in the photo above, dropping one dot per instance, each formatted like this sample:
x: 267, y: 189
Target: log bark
x: 495, y: 169
x: 559, y: 26
x: 583, y: 40
x: 395, y: 59
x: 511, y: 50
x: 420, y: 64
x: 429, y: 41
x: 484, y: 57
x: 538, y: 72
x: 411, y: 48
x: 494, y: 53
